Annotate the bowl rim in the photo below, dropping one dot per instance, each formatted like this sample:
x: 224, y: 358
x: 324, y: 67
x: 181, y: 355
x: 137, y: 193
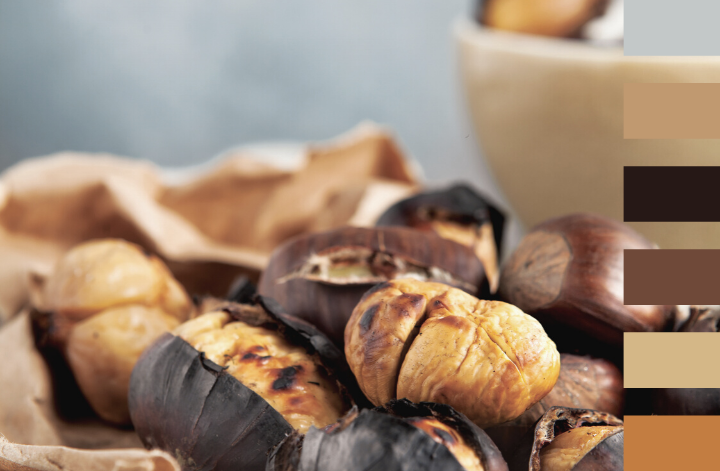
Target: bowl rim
x: 467, y: 30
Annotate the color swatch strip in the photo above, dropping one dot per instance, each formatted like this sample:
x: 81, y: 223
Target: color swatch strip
x: 671, y: 28
x: 671, y: 360
x: 671, y: 194
x: 671, y: 442
x: 672, y: 111
x: 672, y: 277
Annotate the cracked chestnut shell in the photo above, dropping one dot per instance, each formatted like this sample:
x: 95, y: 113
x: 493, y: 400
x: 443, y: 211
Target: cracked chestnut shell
x: 691, y: 401
x: 321, y: 277
x: 457, y: 213
x: 399, y: 436
x: 568, y: 273
x: 584, y: 383
x: 559, y: 18
x: 431, y: 342
x: 183, y: 402
x: 572, y: 439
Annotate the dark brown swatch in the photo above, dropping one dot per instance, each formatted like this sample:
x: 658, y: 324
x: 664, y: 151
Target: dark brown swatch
x: 672, y: 277
x: 671, y: 194
x: 672, y: 111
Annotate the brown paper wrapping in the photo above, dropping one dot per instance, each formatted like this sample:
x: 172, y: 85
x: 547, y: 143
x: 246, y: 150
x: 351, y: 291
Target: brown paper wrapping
x: 209, y: 224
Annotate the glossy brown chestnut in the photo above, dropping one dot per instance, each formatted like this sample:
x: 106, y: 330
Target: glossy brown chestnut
x: 399, y: 436
x: 568, y: 273
x: 572, y: 439
x: 457, y: 213
x: 691, y: 401
x: 584, y: 383
x: 185, y: 403
x: 560, y: 18
x: 321, y: 277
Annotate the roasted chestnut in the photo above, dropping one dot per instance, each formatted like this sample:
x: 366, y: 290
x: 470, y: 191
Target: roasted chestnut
x: 567, y: 439
x: 568, y: 273
x: 399, y: 436
x: 431, y: 342
x: 584, y: 383
x: 561, y: 18
x: 232, y: 383
x: 459, y: 214
x: 321, y: 277
x: 691, y: 401
x: 107, y: 273
x: 106, y: 302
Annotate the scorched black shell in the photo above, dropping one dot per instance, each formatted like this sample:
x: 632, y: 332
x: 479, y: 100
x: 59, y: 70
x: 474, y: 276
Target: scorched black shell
x: 185, y: 404
x: 379, y: 439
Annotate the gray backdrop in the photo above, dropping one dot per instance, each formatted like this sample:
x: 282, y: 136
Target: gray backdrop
x: 177, y: 81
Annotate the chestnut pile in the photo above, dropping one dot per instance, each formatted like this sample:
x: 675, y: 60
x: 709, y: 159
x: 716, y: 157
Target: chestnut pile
x: 399, y: 347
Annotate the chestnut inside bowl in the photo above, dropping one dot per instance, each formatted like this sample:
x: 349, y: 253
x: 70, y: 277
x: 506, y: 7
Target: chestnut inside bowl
x: 548, y: 113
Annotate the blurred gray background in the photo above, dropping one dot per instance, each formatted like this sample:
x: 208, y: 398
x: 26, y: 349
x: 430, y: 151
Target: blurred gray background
x: 178, y: 81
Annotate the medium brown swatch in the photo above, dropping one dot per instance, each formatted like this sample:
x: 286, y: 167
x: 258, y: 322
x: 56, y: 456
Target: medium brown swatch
x: 672, y: 277
x: 672, y: 111
x: 671, y: 194
x: 671, y: 359
x: 661, y: 443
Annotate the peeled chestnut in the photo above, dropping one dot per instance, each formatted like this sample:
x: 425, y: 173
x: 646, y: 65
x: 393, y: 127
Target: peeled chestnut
x: 431, y: 342
x: 232, y: 383
x: 107, y: 273
x: 568, y: 273
x: 691, y: 401
x: 584, y: 383
x: 321, y: 277
x: 572, y: 439
x: 399, y: 436
x: 458, y: 214
x: 105, y: 303
x: 561, y: 18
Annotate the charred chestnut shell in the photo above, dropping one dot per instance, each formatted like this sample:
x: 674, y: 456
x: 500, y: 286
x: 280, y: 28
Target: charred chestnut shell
x: 186, y: 404
x: 584, y: 383
x: 306, y: 273
x: 382, y: 438
x: 456, y: 213
x: 568, y: 273
x: 607, y: 455
x: 691, y: 401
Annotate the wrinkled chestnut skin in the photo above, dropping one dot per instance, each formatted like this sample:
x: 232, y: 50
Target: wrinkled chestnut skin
x: 457, y: 213
x: 189, y: 406
x: 691, y: 401
x: 568, y: 273
x: 328, y: 304
x: 584, y: 383
x: 606, y: 456
x: 559, y: 18
x: 381, y: 439
x: 431, y: 342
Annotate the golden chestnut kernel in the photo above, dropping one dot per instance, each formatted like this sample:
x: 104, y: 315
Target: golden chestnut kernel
x: 103, y: 349
x: 105, y: 273
x: 560, y: 18
x: 285, y: 375
x: 568, y: 448
x: 431, y: 342
x: 567, y: 439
